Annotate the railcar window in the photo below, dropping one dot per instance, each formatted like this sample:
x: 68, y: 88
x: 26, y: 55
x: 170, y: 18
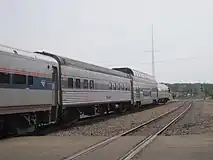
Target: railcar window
x: 77, y: 83
x: 91, y: 84
x: 118, y: 86
x: 114, y: 86
x: 70, y: 82
x: 30, y: 80
x: 19, y: 79
x: 110, y: 86
x: 146, y: 93
x: 122, y: 86
x: 4, y: 78
x: 154, y: 89
x: 126, y: 87
x: 85, y: 83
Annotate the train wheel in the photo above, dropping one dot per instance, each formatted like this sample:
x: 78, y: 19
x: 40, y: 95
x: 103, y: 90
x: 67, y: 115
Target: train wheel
x: 102, y: 110
x: 70, y: 115
x: 3, y: 130
x: 138, y: 105
x: 122, y: 108
x: 155, y: 102
x: 164, y: 101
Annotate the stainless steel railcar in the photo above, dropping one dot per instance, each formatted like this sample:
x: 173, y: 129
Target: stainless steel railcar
x: 26, y: 95
x: 164, y: 94
x: 89, y: 92
x: 144, y: 86
x: 89, y: 89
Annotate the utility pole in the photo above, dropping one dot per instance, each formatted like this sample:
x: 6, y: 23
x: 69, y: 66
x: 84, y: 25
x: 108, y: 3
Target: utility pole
x: 153, y: 58
x: 202, y: 91
x: 153, y: 52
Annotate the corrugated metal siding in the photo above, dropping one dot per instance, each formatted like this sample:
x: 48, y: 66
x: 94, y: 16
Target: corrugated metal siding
x: 71, y: 97
x: 163, y: 94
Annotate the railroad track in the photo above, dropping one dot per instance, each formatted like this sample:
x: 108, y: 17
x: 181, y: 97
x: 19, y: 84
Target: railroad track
x: 98, y: 118
x: 48, y: 129
x: 175, y: 114
x: 91, y: 120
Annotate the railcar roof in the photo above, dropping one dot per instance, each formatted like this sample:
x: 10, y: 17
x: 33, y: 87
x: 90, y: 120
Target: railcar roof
x: 26, y: 57
x: 162, y: 86
x: 135, y: 73
x: 83, y: 65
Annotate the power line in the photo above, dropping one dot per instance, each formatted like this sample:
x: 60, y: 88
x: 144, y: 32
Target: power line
x: 177, y: 59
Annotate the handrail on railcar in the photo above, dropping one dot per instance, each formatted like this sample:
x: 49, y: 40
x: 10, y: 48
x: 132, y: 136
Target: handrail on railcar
x: 57, y: 58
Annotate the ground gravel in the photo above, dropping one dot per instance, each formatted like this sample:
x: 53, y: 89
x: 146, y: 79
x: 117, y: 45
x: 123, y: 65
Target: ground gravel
x: 117, y: 125
x: 155, y: 126
x: 198, y: 120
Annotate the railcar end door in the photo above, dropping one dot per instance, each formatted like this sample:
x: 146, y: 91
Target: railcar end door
x: 132, y: 90
x: 54, y: 94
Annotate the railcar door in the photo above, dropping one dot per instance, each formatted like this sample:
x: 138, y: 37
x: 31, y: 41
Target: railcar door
x: 132, y: 90
x: 157, y: 94
x: 54, y: 94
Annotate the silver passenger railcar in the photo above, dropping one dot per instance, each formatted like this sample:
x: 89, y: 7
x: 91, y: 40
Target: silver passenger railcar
x: 26, y: 91
x: 164, y: 94
x: 90, y: 92
x: 144, y: 87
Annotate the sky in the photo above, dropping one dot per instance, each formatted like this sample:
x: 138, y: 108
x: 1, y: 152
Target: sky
x: 117, y: 33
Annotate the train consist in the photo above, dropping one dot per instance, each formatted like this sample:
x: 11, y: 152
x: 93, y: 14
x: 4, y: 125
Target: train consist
x: 38, y: 92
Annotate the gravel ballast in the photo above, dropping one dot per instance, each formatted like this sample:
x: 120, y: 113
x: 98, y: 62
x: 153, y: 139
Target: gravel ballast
x: 198, y: 120
x: 117, y: 125
x: 153, y: 127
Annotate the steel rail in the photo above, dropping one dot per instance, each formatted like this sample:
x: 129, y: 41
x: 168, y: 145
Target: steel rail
x: 109, y: 140
x: 150, y: 138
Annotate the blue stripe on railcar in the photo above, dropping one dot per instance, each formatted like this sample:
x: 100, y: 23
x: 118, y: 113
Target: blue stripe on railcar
x: 39, y: 83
